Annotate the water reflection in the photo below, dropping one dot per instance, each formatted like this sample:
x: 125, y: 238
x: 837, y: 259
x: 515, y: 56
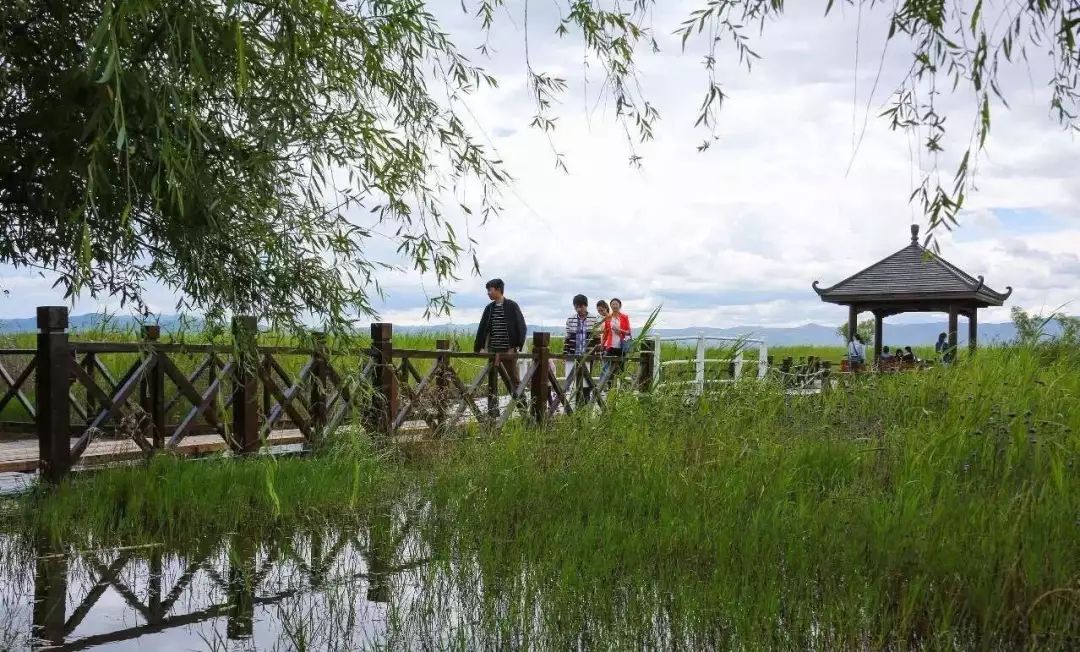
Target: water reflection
x: 322, y: 589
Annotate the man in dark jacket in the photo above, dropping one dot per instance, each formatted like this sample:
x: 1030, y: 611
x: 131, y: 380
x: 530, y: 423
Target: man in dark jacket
x: 502, y: 327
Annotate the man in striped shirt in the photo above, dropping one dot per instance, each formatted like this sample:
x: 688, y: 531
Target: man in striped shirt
x: 502, y: 327
x: 581, y: 336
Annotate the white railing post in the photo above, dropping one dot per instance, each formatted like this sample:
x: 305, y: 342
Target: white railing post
x: 699, y: 367
x: 763, y: 360
x: 738, y: 364
x: 524, y: 361
x: 657, y: 359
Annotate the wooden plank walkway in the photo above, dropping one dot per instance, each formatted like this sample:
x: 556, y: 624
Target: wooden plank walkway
x: 22, y: 456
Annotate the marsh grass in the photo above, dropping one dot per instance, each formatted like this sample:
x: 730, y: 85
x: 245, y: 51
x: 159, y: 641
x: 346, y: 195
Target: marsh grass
x: 175, y: 502
x: 938, y: 509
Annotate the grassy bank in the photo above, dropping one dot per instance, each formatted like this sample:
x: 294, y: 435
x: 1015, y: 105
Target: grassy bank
x: 937, y: 509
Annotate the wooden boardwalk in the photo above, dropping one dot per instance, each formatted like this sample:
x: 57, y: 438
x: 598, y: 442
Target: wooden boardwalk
x: 21, y: 456
x: 172, y: 394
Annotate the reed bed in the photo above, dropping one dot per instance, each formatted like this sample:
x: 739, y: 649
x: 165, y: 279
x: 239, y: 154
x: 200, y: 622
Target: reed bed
x: 925, y: 510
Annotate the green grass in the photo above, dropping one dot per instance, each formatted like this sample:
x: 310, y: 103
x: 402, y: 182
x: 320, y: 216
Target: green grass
x: 938, y: 509
x: 178, y: 502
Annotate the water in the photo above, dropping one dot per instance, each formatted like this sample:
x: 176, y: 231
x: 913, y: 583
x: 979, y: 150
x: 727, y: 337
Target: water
x: 334, y: 589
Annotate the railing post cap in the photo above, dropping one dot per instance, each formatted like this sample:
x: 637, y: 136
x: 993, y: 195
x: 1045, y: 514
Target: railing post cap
x: 541, y: 338
x: 151, y: 332
x: 52, y: 318
x: 382, y: 331
x: 245, y: 322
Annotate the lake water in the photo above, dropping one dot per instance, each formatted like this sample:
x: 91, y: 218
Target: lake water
x: 340, y: 589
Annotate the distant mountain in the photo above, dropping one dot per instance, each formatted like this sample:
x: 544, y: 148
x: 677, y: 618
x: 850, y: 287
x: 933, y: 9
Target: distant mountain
x: 93, y: 322
x: 808, y: 334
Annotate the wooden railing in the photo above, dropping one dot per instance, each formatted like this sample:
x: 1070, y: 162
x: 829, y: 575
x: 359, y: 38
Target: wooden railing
x: 158, y: 395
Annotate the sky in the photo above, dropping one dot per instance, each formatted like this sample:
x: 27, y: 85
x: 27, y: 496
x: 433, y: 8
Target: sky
x: 736, y: 235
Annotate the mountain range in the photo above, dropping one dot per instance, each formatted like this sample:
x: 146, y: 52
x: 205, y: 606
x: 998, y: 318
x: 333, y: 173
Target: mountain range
x: 807, y: 334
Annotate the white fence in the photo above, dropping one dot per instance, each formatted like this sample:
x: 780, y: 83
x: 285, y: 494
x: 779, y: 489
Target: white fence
x: 700, y: 362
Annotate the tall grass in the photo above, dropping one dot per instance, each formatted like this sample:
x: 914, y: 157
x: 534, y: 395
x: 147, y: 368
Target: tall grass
x: 176, y: 502
x: 936, y: 509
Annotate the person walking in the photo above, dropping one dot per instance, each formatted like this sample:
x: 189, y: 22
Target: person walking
x: 581, y: 336
x: 604, y: 312
x: 856, y: 353
x: 502, y: 328
x: 942, y: 348
x: 616, y: 332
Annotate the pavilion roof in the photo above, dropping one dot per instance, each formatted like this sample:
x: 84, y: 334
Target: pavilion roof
x: 913, y: 274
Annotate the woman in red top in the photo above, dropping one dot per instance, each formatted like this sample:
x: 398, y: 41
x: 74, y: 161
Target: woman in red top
x: 616, y: 330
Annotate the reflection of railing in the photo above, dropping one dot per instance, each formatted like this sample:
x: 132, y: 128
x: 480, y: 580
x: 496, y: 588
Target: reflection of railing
x: 700, y: 362
x: 245, y: 574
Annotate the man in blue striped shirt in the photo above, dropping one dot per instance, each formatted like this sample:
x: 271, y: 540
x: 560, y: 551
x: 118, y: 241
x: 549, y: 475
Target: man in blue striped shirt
x: 581, y: 333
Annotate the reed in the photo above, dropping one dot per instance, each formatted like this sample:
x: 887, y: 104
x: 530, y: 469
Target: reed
x: 935, y: 509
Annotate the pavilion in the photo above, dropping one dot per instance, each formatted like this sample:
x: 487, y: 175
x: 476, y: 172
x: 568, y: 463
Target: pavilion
x: 914, y: 279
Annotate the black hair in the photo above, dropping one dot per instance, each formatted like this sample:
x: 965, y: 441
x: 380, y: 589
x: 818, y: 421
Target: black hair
x: 942, y: 336
x: 602, y: 304
x: 884, y: 349
x: 614, y: 299
x: 496, y: 283
x: 581, y: 300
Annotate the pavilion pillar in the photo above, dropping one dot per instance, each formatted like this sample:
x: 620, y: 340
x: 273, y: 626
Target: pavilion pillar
x: 952, y: 330
x: 973, y: 329
x: 878, y: 318
x: 852, y: 322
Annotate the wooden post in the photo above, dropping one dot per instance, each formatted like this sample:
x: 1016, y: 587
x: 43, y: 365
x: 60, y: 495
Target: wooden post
x: 973, y: 330
x: 493, y: 388
x: 852, y: 322
x: 53, y: 385
x: 155, y: 388
x: 91, y: 370
x: 384, y: 384
x: 541, y: 383
x: 267, y: 368
x: 952, y: 331
x: 320, y: 379
x: 878, y: 336
x: 646, y: 360
x: 245, y: 406
x: 442, y: 382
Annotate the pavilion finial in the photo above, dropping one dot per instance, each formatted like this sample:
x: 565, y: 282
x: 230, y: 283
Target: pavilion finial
x: 914, y: 232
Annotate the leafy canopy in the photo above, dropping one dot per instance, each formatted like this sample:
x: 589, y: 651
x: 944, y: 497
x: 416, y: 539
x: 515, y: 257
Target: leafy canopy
x: 216, y: 146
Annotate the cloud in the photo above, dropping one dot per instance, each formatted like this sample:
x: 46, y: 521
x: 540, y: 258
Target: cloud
x: 735, y: 236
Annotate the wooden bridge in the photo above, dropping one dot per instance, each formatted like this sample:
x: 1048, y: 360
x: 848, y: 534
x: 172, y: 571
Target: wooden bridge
x: 95, y: 402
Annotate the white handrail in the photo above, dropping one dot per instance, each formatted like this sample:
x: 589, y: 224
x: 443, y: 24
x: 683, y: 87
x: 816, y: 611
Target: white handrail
x: 700, y: 360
